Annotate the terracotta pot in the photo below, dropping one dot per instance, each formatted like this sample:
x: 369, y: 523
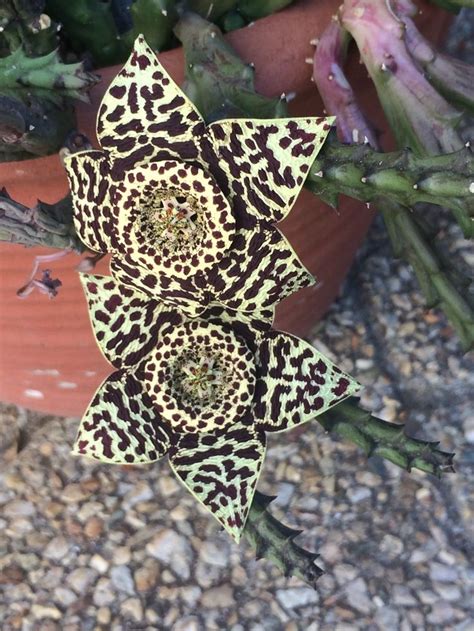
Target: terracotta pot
x: 49, y: 360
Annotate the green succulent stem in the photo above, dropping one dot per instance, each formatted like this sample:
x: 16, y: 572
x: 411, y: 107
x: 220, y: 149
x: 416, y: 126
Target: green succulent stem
x: 275, y: 541
x: 400, y: 176
x: 48, y: 225
x: 46, y: 72
x: 387, y: 440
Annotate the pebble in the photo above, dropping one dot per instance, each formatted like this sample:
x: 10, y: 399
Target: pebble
x: 358, y: 494
x: 443, y: 573
x: 391, y: 546
x: 104, y: 593
x: 121, y: 578
x: 295, y: 597
x: 99, y: 563
x: 146, y: 577
x: 45, y: 611
x: 132, y: 608
x: 172, y: 549
x: 215, y: 553
x: 187, y: 624
x: 357, y: 596
x: 218, y: 597
x: 81, y: 578
x: 18, y: 508
x: 57, y: 548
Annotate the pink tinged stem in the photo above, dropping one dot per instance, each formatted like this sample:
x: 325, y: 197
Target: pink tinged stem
x: 418, y: 115
x: 337, y: 94
x: 46, y: 285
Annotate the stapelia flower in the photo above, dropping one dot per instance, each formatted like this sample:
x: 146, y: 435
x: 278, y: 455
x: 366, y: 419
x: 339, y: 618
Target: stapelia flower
x: 204, y: 391
x: 186, y: 210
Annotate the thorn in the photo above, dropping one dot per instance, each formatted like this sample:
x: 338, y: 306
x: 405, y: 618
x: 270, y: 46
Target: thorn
x: 415, y: 186
x: 31, y: 127
x: 330, y: 77
x: 467, y: 144
x: 252, y: 65
x: 309, y: 60
x: 367, y: 205
x: 383, y: 68
x: 213, y: 34
x: 363, y: 179
x: 319, y: 174
x: 290, y: 96
x: 312, y: 79
x: 283, y: 96
x: 164, y: 12
x: 314, y: 41
x: 471, y: 188
x: 355, y: 135
x: 366, y: 140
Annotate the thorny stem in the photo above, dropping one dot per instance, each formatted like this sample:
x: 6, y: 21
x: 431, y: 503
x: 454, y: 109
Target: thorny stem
x: 387, y: 440
x: 434, y: 276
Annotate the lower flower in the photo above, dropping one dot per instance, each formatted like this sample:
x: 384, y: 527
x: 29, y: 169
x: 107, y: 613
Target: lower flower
x: 204, y: 391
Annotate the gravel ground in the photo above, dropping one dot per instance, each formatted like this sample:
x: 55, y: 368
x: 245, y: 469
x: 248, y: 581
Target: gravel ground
x: 97, y: 547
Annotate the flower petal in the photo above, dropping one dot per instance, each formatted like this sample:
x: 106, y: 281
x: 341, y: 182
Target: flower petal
x: 259, y: 271
x: 262, y: 164
x: 88, y: 179
x: 184, y: 294
x: 249, y: 326
x: 120, y: 425
x: 126, y: 323
x: 222, y: 471
x: 295, y: 383
x: 144, y: 114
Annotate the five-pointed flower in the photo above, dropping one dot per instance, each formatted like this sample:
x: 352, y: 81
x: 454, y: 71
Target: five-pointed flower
x: 187, y: 210
x: 204, y: 391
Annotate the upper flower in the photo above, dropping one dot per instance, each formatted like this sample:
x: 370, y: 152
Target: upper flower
x: 203, y: 390
x: 187, y: 210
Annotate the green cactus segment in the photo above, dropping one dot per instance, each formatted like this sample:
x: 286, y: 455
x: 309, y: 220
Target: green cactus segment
x: 232, y: 21
x: 275, y: 541
x: 90, y: 26
x: 47, y: 225
x: 155, y: 20
x: 362, y: 173
x: 217, y: 81
x: 387, y: 440
x: 24, y: 25
x: 46, y: 72
x: 256, y: 9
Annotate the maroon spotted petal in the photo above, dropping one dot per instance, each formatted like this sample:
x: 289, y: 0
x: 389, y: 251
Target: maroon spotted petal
x: 260, y: 269
x: 145, y: 116
x: 295, y: 383
x: 126, y: 323
x: 120, y: 425
x: 221, y: 470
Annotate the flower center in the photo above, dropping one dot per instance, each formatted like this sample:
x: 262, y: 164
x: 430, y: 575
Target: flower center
x: 171, y: 218
x: 201, y: 377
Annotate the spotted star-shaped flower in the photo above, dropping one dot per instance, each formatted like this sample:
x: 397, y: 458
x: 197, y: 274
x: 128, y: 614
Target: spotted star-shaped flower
x: 187, y: 210
x: 204, y: 391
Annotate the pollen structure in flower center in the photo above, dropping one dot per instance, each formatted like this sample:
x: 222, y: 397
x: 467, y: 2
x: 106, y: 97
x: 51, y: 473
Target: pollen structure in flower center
x: 171, y: 218
x: 201, y: 377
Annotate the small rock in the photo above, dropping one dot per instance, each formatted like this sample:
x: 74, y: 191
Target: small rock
x: 443, y: 573
x: 221, y: 596
x: 186, y: 624
x: 167, y: 485
x: 448, y: 591
x: 104, y: 615
x: 215, y: 553
x: 18, y: 508
x: 387, y: 619
x: 345, y: 573
x: 171, y: 548
x: 441, y: 613
x: 293, y: 597
x: 132, y: 608
x: 391, y: 546
x: 402, y: 596
x: 45, y: 611
x: 141, y: 492
x: 57, y: 548
x: 122, y: 579
x: 358, y: 494
x: 122, y: 555
x: 64, y: 596
x: 146, y: 577
x: 12, y: 574
x: 74, y: 493
x: 103, y: 593
x: 94, y: 527
x: 357, y: 596
x: 81, y: 578
x: 99, y: 563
